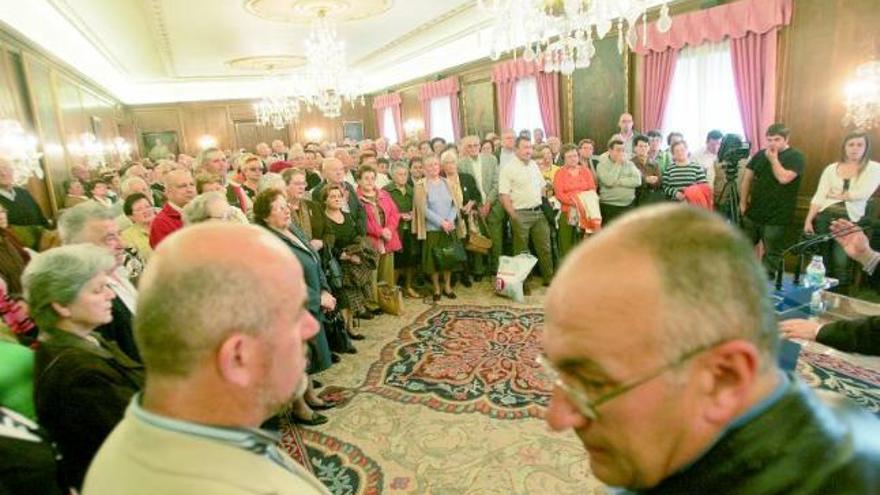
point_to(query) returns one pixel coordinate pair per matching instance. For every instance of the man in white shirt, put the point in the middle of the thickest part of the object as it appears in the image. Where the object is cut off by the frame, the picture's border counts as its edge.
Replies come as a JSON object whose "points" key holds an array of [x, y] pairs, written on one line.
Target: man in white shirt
{"points": [[708, 155], [627, 132], [520, 190]]}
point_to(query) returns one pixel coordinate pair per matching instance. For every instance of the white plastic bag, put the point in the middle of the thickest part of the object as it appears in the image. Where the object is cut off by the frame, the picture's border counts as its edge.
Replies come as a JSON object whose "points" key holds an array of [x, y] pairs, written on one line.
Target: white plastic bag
{"points": [[512, 272]]}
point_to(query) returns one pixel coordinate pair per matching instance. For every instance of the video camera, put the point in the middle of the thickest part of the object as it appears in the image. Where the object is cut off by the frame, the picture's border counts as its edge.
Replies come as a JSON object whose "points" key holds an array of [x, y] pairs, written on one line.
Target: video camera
{"points": [[732, 150]]}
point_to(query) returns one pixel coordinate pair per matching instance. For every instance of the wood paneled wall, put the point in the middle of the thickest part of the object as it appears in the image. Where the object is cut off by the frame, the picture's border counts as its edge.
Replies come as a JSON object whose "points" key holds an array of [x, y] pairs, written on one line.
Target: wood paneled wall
{"points": [[819, 51], [57, 105], [192, 121]]}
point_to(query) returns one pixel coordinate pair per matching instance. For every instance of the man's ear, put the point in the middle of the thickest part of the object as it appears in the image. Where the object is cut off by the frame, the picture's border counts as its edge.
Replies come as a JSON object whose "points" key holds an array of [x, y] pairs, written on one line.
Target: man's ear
{"points": [[728, 374], [235, 359]]}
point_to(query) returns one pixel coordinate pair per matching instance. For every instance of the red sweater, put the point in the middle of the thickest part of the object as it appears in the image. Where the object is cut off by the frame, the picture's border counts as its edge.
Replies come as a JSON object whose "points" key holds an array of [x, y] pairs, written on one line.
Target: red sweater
{"points": [[166, 222], [566, 186], [392, 219]]}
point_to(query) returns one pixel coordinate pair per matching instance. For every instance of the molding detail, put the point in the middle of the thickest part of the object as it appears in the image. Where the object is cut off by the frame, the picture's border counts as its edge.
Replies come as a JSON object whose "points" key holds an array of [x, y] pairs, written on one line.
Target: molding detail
{"points": [[76, 21], [160, 31], [305, 11]]}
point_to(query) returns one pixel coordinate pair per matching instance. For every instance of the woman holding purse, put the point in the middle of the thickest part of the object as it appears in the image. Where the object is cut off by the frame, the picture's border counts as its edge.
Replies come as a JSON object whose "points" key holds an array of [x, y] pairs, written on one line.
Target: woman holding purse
{"points": [[382, 220], [437, 222]]}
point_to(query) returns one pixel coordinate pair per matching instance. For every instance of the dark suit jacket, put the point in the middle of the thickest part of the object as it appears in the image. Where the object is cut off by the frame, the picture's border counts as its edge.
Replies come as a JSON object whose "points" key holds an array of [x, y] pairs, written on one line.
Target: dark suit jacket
{"points": [[81, 391], [469, 189], [861, 335], [120, 330], [24, 210], [313, 272]]}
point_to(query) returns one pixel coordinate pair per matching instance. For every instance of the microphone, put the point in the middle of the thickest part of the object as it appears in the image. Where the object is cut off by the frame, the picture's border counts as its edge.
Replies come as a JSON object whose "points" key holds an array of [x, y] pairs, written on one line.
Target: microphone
{"points": [[863, 225]]}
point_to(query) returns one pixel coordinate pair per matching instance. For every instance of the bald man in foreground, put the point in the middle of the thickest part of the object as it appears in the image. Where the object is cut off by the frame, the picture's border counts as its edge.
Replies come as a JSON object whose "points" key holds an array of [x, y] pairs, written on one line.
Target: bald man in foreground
{"points": [[663, 341], [223, 338]]}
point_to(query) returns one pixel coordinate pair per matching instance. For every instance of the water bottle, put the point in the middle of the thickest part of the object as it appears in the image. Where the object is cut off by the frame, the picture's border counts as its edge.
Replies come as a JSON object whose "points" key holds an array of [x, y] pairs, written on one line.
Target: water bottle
{"points": [[817, 306], [815, 273]]}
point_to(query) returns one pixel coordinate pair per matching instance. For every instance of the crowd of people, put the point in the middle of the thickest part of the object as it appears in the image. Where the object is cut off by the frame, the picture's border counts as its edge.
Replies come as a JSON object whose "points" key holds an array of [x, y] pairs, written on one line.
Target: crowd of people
{"points": [[184, 268]]}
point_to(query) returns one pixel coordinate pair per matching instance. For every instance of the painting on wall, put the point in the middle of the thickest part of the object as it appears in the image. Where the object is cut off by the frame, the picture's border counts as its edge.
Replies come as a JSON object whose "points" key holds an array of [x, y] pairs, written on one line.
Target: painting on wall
{"points": [[599, 94], [160, 145], [353, 129], [479, 108]]}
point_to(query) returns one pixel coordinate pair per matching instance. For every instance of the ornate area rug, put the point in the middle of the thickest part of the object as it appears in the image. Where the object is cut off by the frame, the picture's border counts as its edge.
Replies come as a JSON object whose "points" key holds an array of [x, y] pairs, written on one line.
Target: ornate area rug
{"points": [[464, 359], [448, 399]]}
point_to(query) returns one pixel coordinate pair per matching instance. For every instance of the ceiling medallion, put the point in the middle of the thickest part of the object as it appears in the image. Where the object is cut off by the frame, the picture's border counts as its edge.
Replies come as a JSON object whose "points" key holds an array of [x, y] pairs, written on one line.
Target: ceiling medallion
{"points": [[267, 63], [304, 11]]}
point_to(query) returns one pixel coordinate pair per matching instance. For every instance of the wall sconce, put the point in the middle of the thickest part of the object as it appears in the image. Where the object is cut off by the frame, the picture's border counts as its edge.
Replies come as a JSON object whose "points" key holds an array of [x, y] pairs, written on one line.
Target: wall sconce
{"points": [[20, 149], [412, 127], [313, 134], [207, 141], [88, 148], [122, 148], [863, 96]]}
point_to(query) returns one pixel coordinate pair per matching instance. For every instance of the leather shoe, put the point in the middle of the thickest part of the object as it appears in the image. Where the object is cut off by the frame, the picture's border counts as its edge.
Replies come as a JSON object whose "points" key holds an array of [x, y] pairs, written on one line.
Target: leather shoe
{"points": [[365, 316], [351, 351], [377, 311], [467, 282], [450, 294], [316, 383], [334, 357], [322, 407], [356, 336], [315, 420], [436, 297]]}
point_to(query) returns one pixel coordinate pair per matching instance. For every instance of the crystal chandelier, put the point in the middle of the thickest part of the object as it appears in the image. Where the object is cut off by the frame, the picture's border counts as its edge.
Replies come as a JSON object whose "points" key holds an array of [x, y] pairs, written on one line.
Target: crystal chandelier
{"points": [[327, 82], [20, 149], [88, 148], [277, 108], [863, 97], [560, 33]]}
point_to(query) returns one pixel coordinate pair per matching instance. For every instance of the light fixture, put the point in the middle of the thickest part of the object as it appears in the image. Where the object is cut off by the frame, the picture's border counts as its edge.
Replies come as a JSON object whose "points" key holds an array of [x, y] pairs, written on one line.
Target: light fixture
{"points": [[89, 149], [122, 148], [207, 141], [412, 127], [278, 108], [20, 149], [327, 82], [560, 33], [863, 97], [313, 134]]}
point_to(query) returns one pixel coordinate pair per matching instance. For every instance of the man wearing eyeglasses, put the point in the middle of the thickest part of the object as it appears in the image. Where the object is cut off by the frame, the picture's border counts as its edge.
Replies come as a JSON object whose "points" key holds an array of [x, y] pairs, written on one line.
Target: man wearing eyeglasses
{"points": [[662, 339]]}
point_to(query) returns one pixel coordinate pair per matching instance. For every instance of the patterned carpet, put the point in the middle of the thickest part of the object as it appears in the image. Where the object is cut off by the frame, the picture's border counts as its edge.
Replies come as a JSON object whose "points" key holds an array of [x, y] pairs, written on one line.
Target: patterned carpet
{"points": [[447, 399]]}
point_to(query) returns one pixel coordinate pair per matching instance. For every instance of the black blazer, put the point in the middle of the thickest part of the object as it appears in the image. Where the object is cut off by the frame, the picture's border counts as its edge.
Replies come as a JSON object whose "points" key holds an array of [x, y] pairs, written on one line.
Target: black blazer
{"points": [[120, 331], [469, 189], [861, 335], [81, 392]]}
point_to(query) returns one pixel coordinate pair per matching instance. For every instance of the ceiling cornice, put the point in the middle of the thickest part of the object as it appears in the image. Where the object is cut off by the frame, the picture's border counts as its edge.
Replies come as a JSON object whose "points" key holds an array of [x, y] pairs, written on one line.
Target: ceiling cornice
{"points": [[76, 21], [160, 32]]}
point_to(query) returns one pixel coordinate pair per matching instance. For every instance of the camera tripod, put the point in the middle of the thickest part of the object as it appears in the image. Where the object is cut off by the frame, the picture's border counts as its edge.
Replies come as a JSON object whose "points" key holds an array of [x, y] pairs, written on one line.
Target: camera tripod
{"points": [[729, 198]]}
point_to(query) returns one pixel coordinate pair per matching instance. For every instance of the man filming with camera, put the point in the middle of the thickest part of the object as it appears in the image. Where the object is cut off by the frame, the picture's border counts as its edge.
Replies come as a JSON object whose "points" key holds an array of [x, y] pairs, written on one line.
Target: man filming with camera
{"points": [[768, 194]]}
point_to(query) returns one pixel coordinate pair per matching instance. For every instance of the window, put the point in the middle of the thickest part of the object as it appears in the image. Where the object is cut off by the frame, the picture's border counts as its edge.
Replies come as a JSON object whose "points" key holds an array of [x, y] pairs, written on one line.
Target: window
{"points": [[526, 109], [702, 96], [441, 118], [389, 127]]}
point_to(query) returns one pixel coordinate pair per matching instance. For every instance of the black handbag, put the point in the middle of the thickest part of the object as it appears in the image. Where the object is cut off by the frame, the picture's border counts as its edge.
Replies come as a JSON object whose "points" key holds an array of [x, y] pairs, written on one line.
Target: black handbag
{"points": [[333, 271], [337, 335], [449, 256]]}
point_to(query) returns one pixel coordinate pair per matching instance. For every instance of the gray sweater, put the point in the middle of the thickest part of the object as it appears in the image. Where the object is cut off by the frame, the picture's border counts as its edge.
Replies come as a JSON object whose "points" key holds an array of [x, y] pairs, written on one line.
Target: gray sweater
{"points": [[617, 183]]}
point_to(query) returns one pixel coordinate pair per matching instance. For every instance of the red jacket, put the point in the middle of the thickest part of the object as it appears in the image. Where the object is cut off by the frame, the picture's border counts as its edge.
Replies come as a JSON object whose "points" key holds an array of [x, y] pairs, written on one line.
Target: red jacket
{"points": [[565, 186], [374, 228], [699, 195], [166, 222]]}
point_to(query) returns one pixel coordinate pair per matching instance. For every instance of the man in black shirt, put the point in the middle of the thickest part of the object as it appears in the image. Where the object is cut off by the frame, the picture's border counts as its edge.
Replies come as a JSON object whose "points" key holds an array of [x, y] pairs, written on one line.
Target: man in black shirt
{"points": [[769, 193], [20, 205]]}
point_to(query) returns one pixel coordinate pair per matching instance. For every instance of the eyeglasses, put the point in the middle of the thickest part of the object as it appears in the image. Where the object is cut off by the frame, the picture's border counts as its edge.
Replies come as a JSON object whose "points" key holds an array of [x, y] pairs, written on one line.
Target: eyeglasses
{"points": [[587, 406]]}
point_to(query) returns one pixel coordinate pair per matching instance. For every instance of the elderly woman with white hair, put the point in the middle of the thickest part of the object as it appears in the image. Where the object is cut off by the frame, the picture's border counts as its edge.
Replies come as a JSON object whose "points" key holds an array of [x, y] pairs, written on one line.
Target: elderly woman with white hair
{"points": [[82, 383], [211, 205]]}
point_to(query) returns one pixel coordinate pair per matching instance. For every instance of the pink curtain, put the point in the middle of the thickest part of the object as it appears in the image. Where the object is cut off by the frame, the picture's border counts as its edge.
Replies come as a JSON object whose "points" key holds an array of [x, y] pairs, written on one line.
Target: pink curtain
{"points": [[659, 68], [548, 98], [732, 20], [754, 69], [380, 103], [444, 87], [505, 75]]}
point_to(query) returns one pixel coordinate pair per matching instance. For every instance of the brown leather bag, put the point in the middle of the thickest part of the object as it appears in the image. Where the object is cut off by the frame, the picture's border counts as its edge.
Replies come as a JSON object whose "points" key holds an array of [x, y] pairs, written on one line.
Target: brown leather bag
{"points": [[476, 241], [390, 298]]}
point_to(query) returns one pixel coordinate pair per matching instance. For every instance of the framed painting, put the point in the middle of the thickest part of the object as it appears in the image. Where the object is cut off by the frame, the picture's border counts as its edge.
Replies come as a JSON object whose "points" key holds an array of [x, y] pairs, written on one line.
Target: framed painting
{"points": [[160, 145], [599, 94], [353, 129], [479, 108]]}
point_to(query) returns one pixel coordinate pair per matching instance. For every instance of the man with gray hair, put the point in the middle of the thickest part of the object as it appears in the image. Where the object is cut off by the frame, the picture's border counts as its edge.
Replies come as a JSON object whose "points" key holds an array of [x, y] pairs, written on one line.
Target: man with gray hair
{"points": [[224, 343], [669, 376], [93, 223], [483, 167], [213, 160]]}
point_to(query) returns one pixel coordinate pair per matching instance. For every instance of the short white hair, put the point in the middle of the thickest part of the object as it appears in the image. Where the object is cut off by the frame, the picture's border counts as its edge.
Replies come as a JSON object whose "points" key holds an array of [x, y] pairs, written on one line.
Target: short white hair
{"points": [[72, 222]]}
